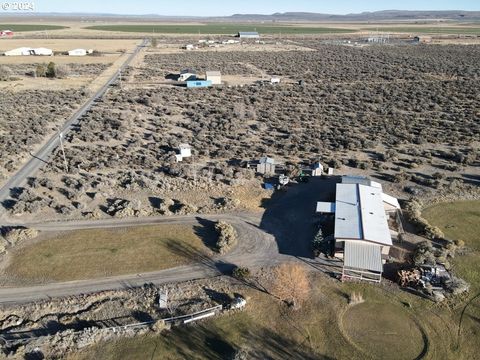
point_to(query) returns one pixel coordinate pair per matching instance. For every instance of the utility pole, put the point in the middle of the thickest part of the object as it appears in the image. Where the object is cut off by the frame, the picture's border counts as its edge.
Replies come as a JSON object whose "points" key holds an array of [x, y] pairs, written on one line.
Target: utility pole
{"points": [[120, 79], [60, 136]]}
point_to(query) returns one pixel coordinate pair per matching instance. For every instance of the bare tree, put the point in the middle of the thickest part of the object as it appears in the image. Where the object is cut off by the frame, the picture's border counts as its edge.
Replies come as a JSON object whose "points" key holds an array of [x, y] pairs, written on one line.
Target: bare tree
{"points": [[291, 284]]}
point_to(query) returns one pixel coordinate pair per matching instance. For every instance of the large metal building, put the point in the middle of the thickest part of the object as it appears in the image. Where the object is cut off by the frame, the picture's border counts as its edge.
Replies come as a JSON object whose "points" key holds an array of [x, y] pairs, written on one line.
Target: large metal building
{"points": [[362, 234], [248, 35]]}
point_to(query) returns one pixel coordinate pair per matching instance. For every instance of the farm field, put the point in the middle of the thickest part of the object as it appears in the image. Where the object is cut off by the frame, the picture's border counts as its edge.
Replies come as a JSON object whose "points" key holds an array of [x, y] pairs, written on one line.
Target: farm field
{"points": [[86, 254], [220, 29], [31, 27]]}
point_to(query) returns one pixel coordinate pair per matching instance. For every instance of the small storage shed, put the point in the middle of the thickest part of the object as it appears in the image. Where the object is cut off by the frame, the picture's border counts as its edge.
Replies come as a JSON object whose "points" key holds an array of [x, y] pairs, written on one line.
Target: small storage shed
{"points": [[214, 76], [185, 150], [317, 169], [266, 166]]}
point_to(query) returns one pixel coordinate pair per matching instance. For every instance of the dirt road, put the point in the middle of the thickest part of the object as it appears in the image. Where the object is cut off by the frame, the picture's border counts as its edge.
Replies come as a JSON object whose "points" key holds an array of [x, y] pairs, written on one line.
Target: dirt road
{"points": [[255, 248]]}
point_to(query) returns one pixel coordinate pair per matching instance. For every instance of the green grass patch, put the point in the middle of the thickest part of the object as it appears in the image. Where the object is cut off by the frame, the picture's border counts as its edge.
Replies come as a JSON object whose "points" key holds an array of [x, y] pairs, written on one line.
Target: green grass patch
{"points": [[457, 220], [221, 29], [429, 30], [269, 330], [94, 253], [30, 27], [461, 220]]}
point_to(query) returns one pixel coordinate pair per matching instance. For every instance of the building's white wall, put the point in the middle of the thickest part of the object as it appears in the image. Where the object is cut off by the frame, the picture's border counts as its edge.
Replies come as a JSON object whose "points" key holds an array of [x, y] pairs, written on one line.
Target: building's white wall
{"points": [[216, 79]]}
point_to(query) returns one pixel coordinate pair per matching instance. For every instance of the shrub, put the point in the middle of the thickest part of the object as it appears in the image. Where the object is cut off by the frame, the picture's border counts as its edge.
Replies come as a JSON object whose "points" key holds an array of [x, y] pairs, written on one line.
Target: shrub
{"points": [[41, 70], [51, 70], [5, 73], [241, 273], [227, 236], [460, 243]]}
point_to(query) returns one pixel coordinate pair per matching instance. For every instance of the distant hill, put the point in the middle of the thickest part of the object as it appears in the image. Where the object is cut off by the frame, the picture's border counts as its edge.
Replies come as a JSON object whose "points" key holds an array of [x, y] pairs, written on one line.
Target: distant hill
{"points": [[365, 16]]}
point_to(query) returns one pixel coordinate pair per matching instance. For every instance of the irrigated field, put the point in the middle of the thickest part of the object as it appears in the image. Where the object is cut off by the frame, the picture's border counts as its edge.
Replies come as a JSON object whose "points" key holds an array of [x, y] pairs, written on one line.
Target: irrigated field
{"points": [[30, 27], [92, 253], [219, 29]]}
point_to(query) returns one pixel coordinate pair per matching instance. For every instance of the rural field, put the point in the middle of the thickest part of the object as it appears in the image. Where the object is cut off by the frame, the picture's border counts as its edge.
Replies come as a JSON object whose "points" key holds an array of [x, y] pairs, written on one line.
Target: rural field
{"points": [[87, 254], [222, 29], [389, 323]]}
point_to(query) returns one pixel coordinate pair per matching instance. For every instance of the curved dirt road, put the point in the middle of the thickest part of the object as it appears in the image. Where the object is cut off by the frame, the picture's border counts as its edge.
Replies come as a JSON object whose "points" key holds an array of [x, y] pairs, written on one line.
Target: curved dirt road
{"points": [[255, 248]]}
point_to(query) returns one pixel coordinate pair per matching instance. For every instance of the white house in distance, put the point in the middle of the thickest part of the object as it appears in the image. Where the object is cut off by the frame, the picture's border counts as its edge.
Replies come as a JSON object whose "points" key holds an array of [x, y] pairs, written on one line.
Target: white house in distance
{"points": [[26, 51], [214, 76], [362, 235]]}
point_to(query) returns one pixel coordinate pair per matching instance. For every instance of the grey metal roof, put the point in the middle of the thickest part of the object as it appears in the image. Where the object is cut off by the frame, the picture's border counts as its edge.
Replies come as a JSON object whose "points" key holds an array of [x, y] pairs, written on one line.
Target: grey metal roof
{"points": [[213, 73], [351, 179], [325, 207], [363, 256], [347, 213], [248, 33], [267, 160], [360, 214]]}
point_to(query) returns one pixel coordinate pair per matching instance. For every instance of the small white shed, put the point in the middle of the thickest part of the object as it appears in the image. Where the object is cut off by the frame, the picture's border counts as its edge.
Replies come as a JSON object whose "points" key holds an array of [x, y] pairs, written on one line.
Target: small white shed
{"points": [[185, 150], [214, 76]]}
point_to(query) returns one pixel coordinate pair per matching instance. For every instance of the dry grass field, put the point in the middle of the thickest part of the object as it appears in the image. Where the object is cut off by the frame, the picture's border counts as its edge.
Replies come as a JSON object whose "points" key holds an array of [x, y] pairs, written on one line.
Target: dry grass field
{"points": [[86, 254], [390, 324]]}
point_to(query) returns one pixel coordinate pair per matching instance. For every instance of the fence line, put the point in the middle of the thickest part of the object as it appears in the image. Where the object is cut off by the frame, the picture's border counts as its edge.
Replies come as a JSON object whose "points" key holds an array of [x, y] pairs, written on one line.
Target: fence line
{"points": [[186, 319]]}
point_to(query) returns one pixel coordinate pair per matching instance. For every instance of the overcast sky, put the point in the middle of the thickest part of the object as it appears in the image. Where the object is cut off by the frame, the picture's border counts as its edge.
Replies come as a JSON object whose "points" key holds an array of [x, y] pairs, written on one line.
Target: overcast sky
{"points": [[229, 7]]}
